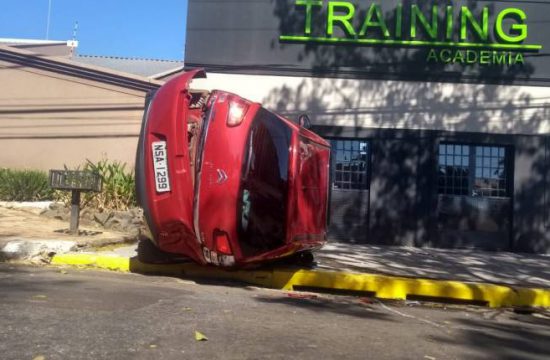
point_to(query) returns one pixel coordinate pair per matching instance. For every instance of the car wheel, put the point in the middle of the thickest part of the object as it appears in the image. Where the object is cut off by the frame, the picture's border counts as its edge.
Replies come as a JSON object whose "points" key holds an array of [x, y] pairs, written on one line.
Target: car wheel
{"points": [[301, 259], [149, 253], [306, 258]]}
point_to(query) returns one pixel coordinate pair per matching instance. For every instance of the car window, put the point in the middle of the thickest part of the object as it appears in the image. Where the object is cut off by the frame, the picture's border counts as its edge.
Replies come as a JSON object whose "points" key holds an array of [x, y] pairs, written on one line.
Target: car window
{"points": [[264, 188]]}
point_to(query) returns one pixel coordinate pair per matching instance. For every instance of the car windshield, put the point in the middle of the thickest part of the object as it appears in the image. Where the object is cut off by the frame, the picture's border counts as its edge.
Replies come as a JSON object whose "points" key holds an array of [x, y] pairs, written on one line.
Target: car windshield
{"points": [[264, 187]]}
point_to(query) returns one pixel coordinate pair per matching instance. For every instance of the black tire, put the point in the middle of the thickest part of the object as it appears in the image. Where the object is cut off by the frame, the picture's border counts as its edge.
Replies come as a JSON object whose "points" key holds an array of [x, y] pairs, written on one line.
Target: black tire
{"points": [[301, 259], [306, 257], [149, 253]]}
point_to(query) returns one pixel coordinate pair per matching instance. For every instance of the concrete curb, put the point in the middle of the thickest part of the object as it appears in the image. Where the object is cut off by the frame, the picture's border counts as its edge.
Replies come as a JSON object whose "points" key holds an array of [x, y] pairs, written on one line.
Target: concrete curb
{"points": [[33, 205], [21, 249], [380, 286]]}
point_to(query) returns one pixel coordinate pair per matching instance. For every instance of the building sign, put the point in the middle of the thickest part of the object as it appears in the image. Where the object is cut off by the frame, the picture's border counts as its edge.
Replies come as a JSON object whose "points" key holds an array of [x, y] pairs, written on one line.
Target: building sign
{"points": [[502, 41], [452, 34]]}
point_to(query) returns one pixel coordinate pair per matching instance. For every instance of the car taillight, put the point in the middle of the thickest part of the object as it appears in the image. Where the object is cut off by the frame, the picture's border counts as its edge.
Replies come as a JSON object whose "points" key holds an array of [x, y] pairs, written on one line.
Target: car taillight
{"points": [[237, 111], [221, 241]]}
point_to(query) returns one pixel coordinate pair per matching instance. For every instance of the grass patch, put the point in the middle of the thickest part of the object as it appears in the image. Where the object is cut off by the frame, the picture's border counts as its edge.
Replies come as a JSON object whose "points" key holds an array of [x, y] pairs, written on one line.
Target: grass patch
{"points": [[24, 185], [118, 192]]}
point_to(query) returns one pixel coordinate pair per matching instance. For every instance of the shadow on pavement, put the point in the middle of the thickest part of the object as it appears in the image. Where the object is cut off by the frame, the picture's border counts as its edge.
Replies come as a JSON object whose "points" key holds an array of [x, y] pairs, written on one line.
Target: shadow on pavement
{"points": [[463, 265], [502, 340], [340, 306]]}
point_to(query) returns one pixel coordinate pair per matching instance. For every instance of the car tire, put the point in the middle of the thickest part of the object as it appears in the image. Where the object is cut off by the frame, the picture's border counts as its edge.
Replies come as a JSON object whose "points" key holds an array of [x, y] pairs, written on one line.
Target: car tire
{"points": [[149, 253], [306, 258], [302, 259]]}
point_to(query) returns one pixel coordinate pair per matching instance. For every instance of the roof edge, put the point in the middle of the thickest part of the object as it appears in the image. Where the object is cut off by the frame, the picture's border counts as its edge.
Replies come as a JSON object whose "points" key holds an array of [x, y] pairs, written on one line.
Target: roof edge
{"points": [[33, 41], [129, 58], [68, 67], [167, 72]]}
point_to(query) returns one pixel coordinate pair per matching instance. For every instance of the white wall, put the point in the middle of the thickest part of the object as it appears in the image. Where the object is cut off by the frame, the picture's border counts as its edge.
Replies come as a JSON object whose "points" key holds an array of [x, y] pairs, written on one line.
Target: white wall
{"points": [[396, 104]]}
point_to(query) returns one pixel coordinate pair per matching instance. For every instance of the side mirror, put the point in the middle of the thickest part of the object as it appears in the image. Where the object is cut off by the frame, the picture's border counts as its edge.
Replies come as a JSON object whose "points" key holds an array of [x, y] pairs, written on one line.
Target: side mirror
{"points": [[304, 121]]}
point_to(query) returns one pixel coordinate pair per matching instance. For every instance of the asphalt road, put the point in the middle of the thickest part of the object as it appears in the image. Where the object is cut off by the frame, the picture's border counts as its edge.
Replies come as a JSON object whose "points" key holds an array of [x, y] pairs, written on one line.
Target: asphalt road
{"points": [[51, 313]]}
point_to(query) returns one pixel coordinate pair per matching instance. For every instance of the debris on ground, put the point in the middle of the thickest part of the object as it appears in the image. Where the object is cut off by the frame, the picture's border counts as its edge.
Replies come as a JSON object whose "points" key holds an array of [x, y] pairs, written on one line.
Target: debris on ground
{"points": [[301, 296], [200, 336], [366, 300]]}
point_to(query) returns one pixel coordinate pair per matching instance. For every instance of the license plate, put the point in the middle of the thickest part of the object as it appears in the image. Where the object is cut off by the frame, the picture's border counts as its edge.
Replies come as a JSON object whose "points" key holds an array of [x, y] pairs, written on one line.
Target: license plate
{"points": [[160, 164]]}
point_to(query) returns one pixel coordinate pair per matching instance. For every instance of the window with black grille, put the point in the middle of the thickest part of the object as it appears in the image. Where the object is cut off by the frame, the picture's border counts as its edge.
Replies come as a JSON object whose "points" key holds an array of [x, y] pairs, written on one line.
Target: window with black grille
{"points": [[454, 169], [350, 160], [490, 171], [473, 170]]}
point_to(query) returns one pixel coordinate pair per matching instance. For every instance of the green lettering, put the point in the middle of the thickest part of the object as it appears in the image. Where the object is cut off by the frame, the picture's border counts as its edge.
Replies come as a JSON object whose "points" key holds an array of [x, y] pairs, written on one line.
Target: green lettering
{"points": [[459, 57], [399, 20], [445, 56], [519, 59], [499, 58], [432, 56], [471, 56], [344, 20], [520, 28], [309, 4], [484, 57], [375, 11], [450, 13], [417, 15], [482, 31]]}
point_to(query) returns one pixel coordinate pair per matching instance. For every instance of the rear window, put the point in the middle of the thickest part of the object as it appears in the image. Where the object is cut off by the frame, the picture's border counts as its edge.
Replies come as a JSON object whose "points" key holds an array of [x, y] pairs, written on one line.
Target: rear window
{"points": [[264, 187]]}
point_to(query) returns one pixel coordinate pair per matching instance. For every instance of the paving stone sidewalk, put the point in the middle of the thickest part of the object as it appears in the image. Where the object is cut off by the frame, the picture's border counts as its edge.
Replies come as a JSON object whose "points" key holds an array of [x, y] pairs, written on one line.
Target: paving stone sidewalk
{"points": [[445, 264]]}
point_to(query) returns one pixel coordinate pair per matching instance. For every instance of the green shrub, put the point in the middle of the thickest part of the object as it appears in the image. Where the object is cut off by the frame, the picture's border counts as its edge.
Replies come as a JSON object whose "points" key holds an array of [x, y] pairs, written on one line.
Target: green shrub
{"points": [[24, 185], [118, 192]]}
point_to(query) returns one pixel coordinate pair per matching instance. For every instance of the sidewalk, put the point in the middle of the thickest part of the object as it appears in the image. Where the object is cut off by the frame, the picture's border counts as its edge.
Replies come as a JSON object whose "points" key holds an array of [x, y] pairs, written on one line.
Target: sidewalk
{"points": [[526, 270], [497, 279], [24, 234], [444, 264]]}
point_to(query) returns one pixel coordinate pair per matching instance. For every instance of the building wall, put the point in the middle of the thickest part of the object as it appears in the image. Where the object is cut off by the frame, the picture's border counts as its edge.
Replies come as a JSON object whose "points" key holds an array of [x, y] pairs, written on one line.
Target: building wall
{"points": [[60, 49], [502, 109], [48, 120], [284, 37], [384, 89], [404, 203]]}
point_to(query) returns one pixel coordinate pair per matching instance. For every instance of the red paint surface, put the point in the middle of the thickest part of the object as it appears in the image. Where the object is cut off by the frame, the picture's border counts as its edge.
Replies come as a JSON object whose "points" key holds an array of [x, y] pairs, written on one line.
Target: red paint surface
{"points": [[218, 186]]}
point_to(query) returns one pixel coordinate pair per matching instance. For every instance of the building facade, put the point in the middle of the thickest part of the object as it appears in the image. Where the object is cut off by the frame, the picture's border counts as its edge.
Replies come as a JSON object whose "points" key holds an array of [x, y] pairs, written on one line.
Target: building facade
{"points": [[55, 112], [438, 112]]}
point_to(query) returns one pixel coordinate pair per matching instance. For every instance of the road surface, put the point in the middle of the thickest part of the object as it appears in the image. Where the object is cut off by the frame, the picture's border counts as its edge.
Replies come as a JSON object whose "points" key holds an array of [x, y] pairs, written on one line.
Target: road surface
{"points": [[51, 313]]}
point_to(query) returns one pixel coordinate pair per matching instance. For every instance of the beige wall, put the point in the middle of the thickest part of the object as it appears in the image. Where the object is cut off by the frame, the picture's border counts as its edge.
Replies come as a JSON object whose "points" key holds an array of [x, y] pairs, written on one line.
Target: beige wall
{"points": [[58, 49], [48, 120], [397, 104]]}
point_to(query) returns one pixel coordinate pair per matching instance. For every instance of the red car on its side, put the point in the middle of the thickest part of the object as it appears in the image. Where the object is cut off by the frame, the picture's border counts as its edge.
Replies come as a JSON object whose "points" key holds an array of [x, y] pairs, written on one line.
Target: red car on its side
{"points": [[226, 182]]}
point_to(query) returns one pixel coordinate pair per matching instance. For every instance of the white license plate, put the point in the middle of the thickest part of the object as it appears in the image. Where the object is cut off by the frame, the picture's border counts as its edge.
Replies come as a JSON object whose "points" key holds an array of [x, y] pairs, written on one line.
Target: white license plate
{"points": [[160, 164]]}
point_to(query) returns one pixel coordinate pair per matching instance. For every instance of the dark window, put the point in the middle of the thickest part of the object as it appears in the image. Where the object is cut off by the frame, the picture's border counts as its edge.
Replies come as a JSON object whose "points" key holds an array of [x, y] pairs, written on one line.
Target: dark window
{"points": [[454, 169], [473, 170], [490, 171], [350, 164], [262, 218]]}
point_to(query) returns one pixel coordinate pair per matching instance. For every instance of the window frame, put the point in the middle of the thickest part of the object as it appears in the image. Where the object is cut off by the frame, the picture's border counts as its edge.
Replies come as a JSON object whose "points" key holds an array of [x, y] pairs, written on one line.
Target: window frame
{"points": [[504, 151], [363, 185]]}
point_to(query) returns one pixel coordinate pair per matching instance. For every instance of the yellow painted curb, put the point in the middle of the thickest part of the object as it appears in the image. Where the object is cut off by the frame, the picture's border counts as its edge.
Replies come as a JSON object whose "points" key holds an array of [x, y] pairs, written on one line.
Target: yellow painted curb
{"points": [[381, 286], [109, 262]]}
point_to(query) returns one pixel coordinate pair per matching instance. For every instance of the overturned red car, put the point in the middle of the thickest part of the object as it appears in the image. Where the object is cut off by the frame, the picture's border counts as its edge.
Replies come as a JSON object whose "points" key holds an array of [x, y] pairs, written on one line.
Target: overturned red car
{"points": [[223, 181]]}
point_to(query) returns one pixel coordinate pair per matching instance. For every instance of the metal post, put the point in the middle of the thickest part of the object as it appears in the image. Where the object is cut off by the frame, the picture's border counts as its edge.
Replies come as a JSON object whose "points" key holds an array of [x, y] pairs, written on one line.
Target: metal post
{"points": [[75, 211], [48, 22], [76, 181]]}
